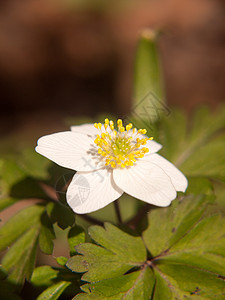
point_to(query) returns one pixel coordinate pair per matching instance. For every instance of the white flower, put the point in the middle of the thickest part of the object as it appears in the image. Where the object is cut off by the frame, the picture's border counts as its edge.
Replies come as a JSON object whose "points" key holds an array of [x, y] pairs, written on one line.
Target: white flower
{"points": [[110, 162]]}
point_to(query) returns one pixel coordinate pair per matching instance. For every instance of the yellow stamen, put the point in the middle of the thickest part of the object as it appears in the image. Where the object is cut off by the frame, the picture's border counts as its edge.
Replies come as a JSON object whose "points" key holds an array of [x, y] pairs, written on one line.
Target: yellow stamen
{"points": [[116, 147]]}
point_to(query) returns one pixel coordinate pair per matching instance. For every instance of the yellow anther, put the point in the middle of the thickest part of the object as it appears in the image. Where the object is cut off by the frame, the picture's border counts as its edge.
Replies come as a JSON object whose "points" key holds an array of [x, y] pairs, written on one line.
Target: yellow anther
{"points": [[128, 127], [145, 150], [117, 148], [144, 141], [97, 140], [142, 131], [119, 122], [113, 164]]}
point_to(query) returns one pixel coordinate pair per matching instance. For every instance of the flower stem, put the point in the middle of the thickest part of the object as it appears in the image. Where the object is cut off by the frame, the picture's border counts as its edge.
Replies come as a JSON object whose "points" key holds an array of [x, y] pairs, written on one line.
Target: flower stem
{"points": [[117, 210]]}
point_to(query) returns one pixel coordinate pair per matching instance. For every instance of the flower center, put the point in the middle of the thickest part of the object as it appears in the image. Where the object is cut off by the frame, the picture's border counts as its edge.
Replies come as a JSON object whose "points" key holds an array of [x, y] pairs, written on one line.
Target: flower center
{"points": [[121, 147]]}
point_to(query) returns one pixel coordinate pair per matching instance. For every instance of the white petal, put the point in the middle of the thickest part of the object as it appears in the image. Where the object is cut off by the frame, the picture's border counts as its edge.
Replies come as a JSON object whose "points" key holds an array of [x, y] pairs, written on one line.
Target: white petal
{"points": [[70, 150], [178, 179], [147, 182], [91, 191], [88, 129], [153, 147]]}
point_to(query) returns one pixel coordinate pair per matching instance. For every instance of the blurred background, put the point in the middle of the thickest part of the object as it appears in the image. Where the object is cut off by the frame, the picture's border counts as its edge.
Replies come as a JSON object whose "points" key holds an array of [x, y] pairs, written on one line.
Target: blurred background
{"points": [[70, 58]]}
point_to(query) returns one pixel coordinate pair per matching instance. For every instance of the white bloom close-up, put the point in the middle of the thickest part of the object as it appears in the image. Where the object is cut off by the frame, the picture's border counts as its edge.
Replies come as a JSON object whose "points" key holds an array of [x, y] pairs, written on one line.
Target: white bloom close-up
{"points": [[110, 162]]}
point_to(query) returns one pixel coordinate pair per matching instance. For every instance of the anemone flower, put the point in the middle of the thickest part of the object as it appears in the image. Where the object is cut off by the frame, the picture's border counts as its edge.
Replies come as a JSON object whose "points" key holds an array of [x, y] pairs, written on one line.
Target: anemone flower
{"points": [[110, 162]]}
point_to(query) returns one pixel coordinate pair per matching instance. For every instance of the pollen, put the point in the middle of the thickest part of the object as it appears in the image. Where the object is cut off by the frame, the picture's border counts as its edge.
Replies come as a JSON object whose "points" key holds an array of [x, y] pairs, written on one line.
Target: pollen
{"points": [[121, 147]]}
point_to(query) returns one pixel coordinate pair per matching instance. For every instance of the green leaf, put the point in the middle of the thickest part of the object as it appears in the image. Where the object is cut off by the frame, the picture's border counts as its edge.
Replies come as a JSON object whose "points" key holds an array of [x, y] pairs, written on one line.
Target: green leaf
{"points": [[16, 184], [20, 258], [54, 292], [162, 289], [10, 173], [7, 291], [188, 251], [18, 224], [34, 164], [76, 236], [174, 223], [148, 83], [47, 234], [196, 145], [188, 282], [62, 260], [200, 185], [136, 285], [121, 253], [44, 276], [200, 162], [22, 233], [6, 288]]}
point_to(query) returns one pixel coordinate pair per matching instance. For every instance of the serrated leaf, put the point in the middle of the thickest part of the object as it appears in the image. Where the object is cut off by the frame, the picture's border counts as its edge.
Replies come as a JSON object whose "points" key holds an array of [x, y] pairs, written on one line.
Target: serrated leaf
{"points": [[121, 253], [47, 234], [200, 162], [136, 285], [188, 282], [188, 261], [175, 222], [76, 236], [54, 292], [196, 145], [119, 242]]}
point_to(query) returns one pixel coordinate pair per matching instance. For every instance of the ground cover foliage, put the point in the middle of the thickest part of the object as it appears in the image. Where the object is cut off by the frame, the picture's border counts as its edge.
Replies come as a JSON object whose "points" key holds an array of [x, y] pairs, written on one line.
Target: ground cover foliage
{"points": [[175, 252]]}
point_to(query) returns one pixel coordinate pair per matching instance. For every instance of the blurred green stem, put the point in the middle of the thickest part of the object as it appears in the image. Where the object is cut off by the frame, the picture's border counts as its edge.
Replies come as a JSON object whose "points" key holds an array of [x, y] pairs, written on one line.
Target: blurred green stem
{"points": [[117, 210]]}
